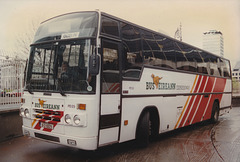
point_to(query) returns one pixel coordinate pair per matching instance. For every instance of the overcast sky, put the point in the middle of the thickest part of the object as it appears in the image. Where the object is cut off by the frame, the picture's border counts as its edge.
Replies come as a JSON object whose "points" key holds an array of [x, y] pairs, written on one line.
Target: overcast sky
{"points": [[196, 17]]}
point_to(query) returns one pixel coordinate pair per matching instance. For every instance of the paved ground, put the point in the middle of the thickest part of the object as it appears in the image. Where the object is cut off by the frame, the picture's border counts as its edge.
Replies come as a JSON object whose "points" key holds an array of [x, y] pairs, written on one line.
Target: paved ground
{"points": [[201, 142]]}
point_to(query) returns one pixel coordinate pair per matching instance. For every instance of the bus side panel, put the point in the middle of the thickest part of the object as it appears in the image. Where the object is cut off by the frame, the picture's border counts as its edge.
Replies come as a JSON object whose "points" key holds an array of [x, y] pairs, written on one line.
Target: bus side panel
{"points": [[131, 110], [170, 111], [157, 88], [227, 96], [199, 105], [181, 99], [217, 93]]}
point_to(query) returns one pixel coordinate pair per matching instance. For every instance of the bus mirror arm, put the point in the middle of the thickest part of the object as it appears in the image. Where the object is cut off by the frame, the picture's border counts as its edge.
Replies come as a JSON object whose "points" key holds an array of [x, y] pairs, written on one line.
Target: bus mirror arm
{"points": [[94, 65]]}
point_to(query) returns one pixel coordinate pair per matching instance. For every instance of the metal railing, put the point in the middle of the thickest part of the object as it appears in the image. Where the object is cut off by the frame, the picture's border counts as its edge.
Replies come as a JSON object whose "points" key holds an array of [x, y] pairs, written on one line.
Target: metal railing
{"points": [[11, 83]]}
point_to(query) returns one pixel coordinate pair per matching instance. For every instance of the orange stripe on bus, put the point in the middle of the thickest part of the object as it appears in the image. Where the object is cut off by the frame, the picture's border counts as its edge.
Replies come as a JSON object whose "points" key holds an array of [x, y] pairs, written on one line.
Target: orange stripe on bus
{"points": [[34, 121], [194, 83]]}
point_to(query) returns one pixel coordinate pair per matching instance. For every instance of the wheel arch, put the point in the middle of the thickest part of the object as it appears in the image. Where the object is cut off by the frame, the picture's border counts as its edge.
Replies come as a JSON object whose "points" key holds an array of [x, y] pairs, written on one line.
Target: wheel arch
{"points": [[154, 118], [215, 111], [217, 101]]}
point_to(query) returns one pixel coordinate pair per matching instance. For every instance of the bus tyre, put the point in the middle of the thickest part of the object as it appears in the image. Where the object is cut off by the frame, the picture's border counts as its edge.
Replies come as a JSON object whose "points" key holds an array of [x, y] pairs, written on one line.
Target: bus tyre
{"points": [[215, 112], [143, 129]]}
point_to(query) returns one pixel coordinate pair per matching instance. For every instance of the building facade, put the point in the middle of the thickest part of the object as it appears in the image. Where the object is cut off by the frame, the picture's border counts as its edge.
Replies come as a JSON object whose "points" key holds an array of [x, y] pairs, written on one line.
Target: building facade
{"points": [[213, 42], [236, 72]]}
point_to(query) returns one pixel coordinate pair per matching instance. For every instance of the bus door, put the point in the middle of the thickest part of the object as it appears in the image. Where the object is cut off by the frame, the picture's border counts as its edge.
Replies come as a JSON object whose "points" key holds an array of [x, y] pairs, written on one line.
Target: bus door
{"points": [[110, 94]]}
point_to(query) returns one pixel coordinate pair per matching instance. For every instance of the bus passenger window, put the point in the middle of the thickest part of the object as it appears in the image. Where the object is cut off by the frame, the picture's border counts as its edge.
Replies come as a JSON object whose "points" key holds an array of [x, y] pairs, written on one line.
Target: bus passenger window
{"points": [[202, 62], [213, 60], [194, 61], [132, 51], [182, 62], [226, 68], [149, 45], [169, 52], [220, 66], [133, 65], [110, 27], [110, 75]]}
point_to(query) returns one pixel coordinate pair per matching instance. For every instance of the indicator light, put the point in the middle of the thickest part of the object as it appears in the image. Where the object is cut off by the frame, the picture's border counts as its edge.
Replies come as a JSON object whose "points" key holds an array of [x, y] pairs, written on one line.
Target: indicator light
{"points": [[23, 100], [125, 122], [81, 106]]}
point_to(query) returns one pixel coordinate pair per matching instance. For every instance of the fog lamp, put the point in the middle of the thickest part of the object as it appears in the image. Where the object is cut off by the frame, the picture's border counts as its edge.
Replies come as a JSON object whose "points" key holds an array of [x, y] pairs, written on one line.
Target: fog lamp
{"points": [[26, 133], [26, 113], [71, 142], [68, 119], [76, 119], [22, 112]]}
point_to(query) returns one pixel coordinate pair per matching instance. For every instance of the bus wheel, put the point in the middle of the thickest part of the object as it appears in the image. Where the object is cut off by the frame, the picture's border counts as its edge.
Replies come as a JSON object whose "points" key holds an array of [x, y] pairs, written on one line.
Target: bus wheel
{"points": [[215, 112], [143, 129]]}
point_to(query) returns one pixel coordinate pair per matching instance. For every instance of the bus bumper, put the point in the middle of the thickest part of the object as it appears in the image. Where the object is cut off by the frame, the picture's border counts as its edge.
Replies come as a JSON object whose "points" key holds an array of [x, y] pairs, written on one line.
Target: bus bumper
{"points": [[77, 142]]}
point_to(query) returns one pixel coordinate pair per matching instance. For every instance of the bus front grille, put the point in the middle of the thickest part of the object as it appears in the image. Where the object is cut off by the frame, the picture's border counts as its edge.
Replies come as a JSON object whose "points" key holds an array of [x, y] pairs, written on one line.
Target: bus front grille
{"points": [[47, 115], [47, 137]]}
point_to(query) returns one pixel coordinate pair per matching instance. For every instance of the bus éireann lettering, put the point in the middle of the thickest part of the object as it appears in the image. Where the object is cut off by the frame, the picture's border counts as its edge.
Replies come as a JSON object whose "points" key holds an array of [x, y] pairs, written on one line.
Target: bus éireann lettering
{"points": [[161, 86]]}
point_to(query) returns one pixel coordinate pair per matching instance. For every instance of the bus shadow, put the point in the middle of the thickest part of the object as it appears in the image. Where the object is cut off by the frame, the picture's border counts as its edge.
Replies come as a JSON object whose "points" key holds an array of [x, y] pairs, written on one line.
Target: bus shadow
{"points": [[123, 151]]}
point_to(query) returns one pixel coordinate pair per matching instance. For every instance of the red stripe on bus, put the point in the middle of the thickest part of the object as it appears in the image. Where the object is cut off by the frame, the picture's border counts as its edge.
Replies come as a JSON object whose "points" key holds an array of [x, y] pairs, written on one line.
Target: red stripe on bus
{"points": [[190, 103], [37, 126], [186, 103], [204, 101], [54, 123], [196, 102], [114, 88], [219, 88]]}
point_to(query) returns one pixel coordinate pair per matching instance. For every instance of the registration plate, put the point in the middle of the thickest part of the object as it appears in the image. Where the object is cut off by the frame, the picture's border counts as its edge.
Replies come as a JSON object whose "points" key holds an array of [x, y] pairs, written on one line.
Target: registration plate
{"points": [[46, 125]]}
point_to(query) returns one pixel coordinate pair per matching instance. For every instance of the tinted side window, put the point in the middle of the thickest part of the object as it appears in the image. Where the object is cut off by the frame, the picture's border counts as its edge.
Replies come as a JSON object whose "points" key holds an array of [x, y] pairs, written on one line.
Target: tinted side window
{"points": [[185, 57], [220, 66], [148, 45], [110, 27], [132, 51], [167, 48], [202, 65], [213, 64], [110, 76], [153, 50], [158, 50], [190, 59], [226, 69], [160, 55]]}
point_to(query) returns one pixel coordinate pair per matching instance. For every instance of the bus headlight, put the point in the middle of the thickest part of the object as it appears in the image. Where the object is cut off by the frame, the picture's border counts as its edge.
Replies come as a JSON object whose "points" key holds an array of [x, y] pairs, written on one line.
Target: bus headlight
{"points": [[68, 119], [76, 119], [26, 113], [22, 112]]}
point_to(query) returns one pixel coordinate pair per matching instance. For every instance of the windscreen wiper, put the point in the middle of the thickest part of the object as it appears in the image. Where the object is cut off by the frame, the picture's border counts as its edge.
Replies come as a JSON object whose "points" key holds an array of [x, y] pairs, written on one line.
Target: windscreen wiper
{"points": [[60, 87], [28, 86]]}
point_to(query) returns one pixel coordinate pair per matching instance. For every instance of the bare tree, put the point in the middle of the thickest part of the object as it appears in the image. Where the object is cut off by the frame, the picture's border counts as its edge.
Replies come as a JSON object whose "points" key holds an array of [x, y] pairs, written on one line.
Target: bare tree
{"points": [[25, 39]]}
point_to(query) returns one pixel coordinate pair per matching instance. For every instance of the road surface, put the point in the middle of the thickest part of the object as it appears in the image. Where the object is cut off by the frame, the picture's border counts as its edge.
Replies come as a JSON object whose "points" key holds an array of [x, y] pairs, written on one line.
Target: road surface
{"points": [[201, 142]]}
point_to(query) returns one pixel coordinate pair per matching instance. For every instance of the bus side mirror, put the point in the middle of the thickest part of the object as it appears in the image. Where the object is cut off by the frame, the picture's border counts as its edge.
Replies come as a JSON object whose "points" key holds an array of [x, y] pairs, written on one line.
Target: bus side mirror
{"points": [[94, 65]]}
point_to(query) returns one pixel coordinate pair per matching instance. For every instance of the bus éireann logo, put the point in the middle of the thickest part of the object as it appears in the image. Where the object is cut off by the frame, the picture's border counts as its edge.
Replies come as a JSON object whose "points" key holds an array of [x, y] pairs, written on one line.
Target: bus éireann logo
{"points": [[156, 84], [41, 102], [156, 80]]}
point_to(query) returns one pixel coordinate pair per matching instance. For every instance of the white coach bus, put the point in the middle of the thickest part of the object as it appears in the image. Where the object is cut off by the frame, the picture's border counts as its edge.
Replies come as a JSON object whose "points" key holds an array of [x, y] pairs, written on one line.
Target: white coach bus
{"points": [[94, 79]]}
